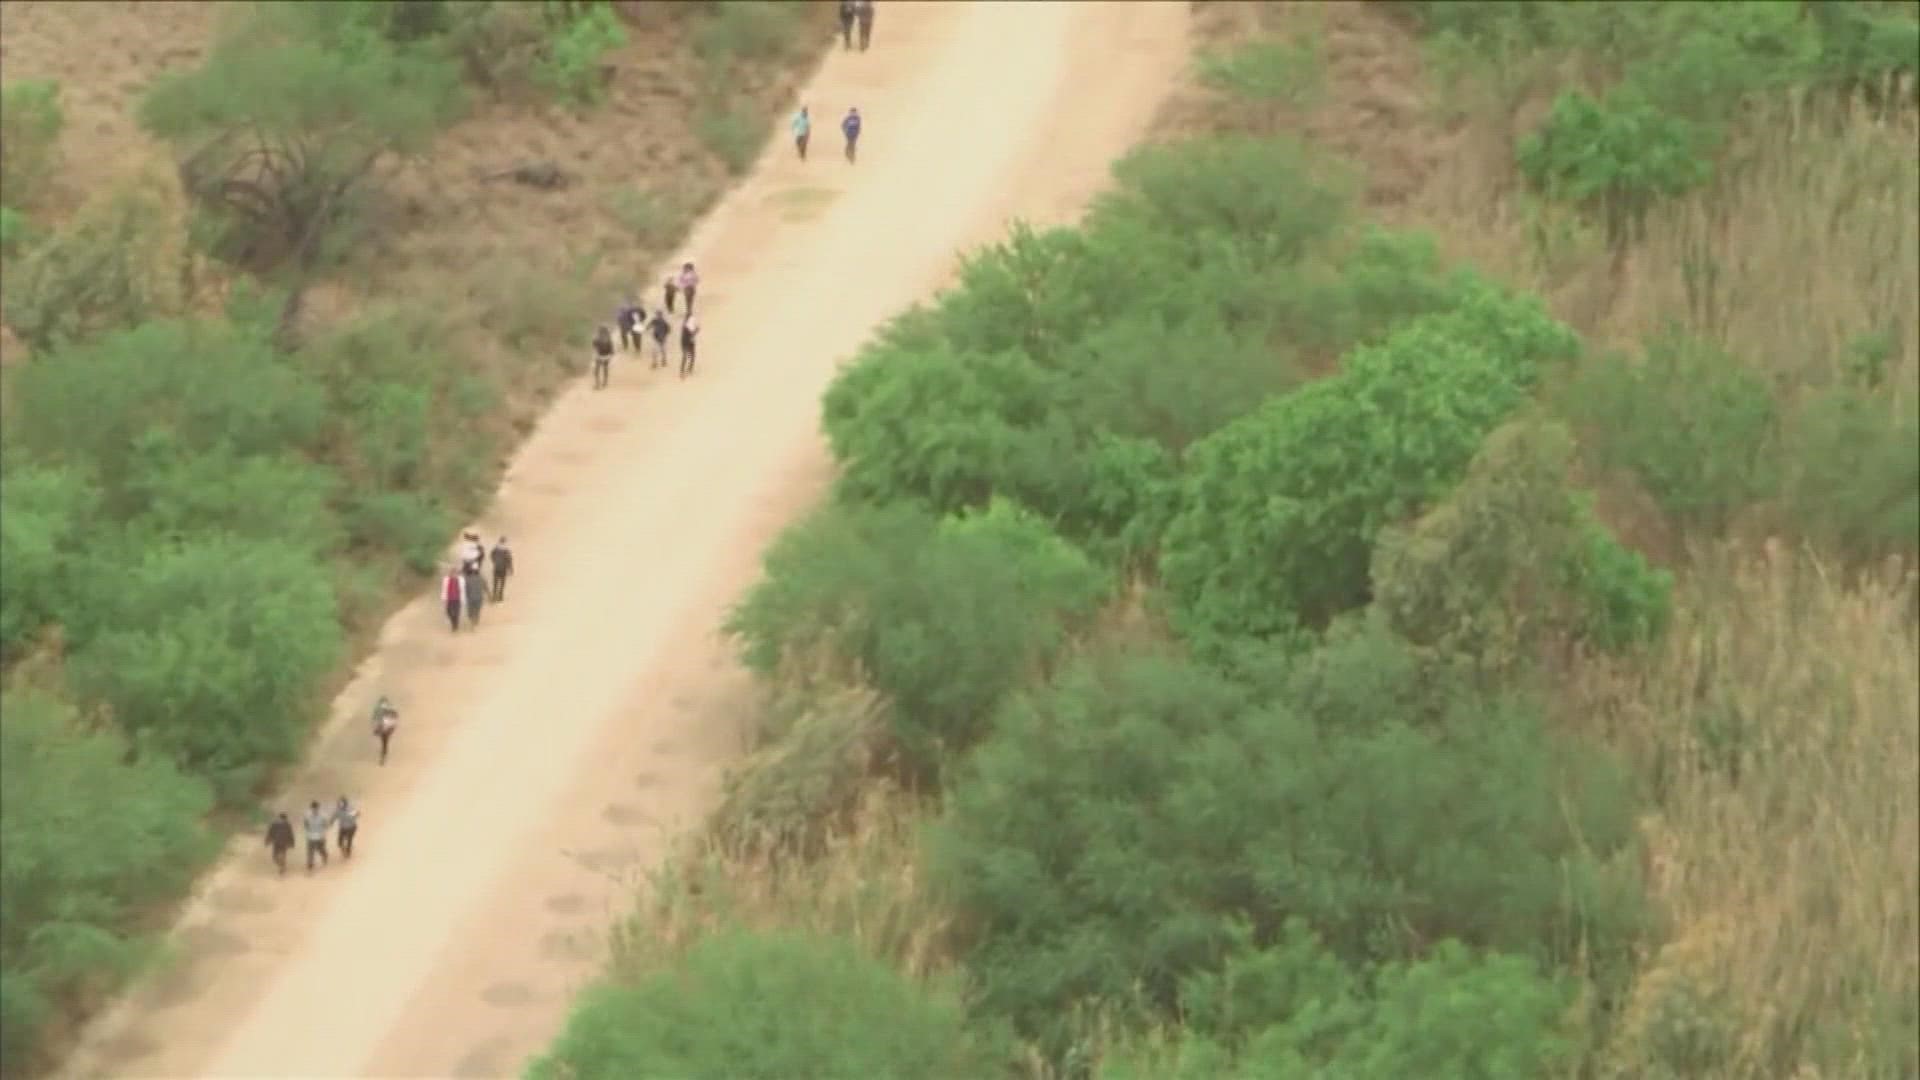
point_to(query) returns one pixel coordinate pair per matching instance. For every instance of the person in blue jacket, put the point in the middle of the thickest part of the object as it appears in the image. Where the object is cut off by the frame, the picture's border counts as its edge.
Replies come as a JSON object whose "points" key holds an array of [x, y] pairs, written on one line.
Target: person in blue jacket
{"points": [[850, 127]]}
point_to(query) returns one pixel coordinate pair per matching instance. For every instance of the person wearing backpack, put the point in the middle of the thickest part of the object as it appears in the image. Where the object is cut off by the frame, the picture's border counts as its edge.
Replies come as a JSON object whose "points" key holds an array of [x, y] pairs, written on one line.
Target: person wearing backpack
{"points": [[385, 719], [628, 319]]}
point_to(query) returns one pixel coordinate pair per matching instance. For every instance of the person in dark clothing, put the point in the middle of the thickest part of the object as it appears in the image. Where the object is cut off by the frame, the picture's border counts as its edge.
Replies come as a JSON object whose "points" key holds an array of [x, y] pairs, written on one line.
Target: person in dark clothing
{"points": [[451, 588], [347, 816], [316, 824], [385, 719], [602, 357], [628, 319], [670, 289], [850, 127], [661, 329], [846, 23], [476, 593], [863, 11], [689, 331], [502, 569], [280, 841]]}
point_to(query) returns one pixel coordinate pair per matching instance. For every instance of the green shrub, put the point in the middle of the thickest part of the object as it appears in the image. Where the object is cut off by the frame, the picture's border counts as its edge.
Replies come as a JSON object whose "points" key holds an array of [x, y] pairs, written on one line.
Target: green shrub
{"points": [[1279, 509], [209, 650], [198, 385], [30, 123], [751, 32], [1615, 157], [1133, 824], [731, 133], [1852, 472], [116, 265], [770, 1006], [415, 525], [92, 835], [14, 232], [1268, 74], [941, 617], [654, 217], [1695, 427], [1454, 1014], [572, 65], [45, 517]]}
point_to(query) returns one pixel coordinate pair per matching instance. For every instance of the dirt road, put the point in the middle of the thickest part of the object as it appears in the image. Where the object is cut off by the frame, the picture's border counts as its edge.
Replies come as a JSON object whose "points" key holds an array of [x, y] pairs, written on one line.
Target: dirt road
{"points": [[543, 759]]}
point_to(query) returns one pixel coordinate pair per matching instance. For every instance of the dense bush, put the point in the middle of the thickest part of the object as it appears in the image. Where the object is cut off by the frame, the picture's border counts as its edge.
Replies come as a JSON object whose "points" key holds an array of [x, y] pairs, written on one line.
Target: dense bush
{"points": [[1071, 369], [943, 617], [1615, 157], [92, 833], [1279, 509], [30, 123], [1453, 1013], [1139, 820], [751, 1006], [45, 516]]}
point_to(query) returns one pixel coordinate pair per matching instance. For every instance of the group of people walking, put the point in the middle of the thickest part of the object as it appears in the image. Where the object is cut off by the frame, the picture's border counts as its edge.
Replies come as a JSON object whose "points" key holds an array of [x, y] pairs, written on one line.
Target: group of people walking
{"points": [[463, 589], [634, 323], [317, 823], [852, 12], [803, 131]]}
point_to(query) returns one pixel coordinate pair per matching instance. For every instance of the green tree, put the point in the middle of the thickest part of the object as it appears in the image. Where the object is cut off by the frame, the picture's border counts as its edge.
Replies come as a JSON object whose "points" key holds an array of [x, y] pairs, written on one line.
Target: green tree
{"points": [[46, 515], [92, 833], [290, 115], [1141, 820], [201, 385], [1279, 509], [943, 617], [210, 650], [742, 1005]]}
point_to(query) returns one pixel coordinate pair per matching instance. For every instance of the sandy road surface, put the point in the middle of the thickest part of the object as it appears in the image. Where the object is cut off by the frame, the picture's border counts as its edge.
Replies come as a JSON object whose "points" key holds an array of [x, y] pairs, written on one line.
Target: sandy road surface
{"points": [[543, 759]]}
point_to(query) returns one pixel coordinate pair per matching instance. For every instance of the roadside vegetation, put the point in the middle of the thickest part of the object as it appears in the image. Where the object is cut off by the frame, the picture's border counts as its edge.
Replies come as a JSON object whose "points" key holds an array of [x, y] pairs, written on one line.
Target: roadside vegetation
{"points": [[213, 487], [1313, 619]]}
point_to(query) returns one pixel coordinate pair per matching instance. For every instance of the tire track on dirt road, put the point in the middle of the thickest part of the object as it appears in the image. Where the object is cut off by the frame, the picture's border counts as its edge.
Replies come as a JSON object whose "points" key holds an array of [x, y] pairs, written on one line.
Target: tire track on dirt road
{"points": [[588, 719]]}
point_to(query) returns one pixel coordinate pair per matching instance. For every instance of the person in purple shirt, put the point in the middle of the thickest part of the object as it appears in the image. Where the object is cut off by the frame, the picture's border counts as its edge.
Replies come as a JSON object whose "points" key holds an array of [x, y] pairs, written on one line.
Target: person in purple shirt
{"points": [[850, 127], [689, 284]]}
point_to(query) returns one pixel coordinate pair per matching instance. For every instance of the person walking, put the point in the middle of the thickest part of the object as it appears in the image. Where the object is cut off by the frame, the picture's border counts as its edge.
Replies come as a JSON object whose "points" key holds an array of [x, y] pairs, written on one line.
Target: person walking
{"points": [[628, 319], [863, 11], [846, 23], [502, 569], [850, 127], [689, 283], [802, 130], [670, 289], [451, 588], [661, 330], [347, 816], [475, 590], [317, 822], [689, 331], [602, 357], [385, 719], [280, 840], [472, 551]]}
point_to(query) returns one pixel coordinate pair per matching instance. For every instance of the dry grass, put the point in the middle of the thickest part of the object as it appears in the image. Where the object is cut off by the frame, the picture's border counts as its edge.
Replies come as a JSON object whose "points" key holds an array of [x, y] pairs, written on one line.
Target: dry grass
{"points": [[1779, 729], [866, 886]]}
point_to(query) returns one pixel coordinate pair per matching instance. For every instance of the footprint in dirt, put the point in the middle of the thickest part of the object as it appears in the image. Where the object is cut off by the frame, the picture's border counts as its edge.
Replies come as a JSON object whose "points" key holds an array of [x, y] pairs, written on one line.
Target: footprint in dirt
{"points": [[624, 815], [567, 904], [569, 946]]}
